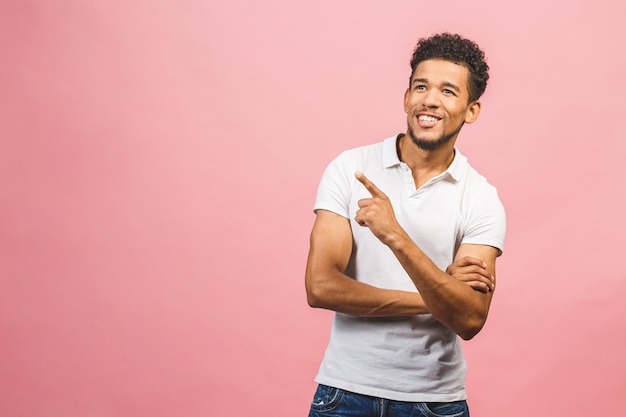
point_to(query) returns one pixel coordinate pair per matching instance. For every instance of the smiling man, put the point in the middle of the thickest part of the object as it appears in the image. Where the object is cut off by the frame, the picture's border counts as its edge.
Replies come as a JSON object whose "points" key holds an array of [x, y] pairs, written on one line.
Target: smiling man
{"points": [[404, 250]]}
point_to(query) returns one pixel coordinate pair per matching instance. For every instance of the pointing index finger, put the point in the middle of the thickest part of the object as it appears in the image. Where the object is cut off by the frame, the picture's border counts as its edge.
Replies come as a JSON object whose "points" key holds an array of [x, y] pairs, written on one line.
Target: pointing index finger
{"points": [[369, 185]]}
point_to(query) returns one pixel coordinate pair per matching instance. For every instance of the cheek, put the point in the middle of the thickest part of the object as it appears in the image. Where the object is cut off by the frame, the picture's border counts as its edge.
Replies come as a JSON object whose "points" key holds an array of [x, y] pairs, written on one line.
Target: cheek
{"points": [[409, 103], [468, 116], [461, 112]]}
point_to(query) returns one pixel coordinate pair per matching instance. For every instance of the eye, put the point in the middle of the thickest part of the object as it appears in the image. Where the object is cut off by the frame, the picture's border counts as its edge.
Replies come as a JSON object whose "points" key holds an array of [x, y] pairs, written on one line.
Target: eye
{"points": [[447, 91], [420, 87]]}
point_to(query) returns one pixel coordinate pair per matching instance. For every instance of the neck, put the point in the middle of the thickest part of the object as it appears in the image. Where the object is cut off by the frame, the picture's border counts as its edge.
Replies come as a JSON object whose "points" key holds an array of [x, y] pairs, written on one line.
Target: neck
{"points": [[438, 159]]}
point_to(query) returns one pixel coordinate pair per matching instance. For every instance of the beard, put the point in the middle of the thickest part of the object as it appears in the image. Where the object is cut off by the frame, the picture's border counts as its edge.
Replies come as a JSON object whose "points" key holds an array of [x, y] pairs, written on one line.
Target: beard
{"points": [[431, 145]]}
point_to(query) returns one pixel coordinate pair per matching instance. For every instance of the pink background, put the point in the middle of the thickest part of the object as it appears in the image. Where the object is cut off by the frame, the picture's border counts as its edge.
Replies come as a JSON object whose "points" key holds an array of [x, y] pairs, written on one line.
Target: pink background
{"points": [[158, 165]]}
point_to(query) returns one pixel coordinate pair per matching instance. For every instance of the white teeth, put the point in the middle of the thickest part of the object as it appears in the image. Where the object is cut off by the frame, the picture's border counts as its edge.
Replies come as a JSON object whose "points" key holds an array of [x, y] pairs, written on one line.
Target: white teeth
{"points": [[427, 118]]}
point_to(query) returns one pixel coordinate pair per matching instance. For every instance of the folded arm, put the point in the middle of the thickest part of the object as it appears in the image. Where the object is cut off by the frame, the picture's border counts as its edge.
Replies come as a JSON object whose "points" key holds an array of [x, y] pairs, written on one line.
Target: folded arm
{"points": [[328, 287], [456, 304]]}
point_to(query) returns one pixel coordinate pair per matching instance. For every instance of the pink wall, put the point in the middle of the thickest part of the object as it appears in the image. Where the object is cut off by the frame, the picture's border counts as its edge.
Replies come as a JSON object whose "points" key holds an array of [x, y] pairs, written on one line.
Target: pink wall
{"points": [[158, 164]]}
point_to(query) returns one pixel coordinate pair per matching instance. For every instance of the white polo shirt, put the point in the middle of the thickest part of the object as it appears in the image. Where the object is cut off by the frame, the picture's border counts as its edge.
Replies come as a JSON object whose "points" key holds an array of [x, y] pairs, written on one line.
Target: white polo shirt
{"points": [[404, 358]]}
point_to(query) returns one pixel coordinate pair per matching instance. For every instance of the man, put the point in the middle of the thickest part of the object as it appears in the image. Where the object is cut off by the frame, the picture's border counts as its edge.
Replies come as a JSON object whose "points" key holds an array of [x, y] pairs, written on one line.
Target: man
{"points": [[404, 248]]}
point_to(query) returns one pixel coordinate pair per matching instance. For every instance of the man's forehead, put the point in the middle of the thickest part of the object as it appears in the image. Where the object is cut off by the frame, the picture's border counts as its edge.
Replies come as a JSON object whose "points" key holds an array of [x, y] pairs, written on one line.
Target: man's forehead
{"points": [[441, 70]]}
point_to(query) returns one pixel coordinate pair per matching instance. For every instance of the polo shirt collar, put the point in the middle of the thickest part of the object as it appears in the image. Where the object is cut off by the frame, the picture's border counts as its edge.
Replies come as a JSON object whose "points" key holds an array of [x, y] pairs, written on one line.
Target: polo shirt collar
{"points": [[457, 167], [390, 152]]}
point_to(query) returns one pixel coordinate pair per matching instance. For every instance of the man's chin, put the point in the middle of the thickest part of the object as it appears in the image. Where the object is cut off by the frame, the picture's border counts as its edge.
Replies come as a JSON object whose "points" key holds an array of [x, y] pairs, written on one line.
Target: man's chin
{"points": [[428, 144]]}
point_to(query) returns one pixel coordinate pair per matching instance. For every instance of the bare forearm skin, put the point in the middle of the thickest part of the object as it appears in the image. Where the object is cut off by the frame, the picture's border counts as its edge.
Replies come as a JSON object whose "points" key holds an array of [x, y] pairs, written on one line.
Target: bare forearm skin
{"points": [[330, 289], [452, 302]]}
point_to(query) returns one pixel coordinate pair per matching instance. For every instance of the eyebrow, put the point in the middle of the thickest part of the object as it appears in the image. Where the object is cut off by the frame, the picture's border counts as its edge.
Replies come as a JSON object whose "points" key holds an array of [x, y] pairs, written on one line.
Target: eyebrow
{"points": [[445, 84]]}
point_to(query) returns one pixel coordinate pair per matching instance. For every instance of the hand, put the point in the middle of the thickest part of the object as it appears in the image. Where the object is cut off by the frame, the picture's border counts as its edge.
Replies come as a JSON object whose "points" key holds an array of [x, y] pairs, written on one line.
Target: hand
{"points": [[376, 212], [473, 272]]}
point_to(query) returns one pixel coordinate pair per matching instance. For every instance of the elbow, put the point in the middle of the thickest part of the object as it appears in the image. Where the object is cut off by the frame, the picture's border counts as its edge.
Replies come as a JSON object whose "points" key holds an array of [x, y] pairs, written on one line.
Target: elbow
{"points": [[321, 290], [469, 332], [471, 327], [315, 294], [316, 299], [313, 298]]}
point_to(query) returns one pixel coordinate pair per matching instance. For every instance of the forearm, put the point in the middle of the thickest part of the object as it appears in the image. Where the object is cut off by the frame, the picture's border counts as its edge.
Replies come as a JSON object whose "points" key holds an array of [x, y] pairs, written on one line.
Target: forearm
{"points": [[454, 303], [335, 291]]}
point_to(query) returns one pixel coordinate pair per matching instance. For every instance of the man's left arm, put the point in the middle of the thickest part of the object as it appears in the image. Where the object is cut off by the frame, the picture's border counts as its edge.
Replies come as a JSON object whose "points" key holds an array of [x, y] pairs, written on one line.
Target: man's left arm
{"points": [[451, 301]]}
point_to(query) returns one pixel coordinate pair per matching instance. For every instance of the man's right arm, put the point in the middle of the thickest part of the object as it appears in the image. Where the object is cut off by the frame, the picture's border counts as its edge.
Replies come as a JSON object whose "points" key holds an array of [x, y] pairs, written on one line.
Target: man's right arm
{"points": [[328, 287]]}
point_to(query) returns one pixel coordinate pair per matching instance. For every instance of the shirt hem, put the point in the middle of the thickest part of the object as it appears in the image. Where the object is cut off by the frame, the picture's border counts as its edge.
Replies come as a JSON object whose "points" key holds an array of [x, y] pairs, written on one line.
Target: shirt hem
{"points": [[393, 395]]}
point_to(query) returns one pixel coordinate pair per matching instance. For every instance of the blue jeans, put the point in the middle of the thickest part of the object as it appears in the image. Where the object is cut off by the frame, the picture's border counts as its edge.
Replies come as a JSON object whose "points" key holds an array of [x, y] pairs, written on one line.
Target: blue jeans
{"points": [[334, 402]]}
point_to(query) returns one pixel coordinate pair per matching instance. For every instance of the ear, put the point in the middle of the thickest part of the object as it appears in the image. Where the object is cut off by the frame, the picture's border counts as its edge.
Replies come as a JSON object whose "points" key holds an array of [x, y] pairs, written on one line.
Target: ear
{"points": [[406, 99], [472, 112]]}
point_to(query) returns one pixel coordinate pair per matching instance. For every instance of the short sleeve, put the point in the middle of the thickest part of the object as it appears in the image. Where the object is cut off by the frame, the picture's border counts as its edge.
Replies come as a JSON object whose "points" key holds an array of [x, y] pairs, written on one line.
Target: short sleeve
{"points": [[486, 220], [335, 188]]}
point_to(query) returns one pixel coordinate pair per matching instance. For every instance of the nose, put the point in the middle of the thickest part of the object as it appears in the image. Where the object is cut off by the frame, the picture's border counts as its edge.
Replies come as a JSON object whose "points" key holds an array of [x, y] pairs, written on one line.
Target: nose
{"points": [[431, 98]]}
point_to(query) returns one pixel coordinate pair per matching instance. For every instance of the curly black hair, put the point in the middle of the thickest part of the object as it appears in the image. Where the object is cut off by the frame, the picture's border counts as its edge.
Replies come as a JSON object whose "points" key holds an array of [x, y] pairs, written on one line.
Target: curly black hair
{"points": [[454, 48]]}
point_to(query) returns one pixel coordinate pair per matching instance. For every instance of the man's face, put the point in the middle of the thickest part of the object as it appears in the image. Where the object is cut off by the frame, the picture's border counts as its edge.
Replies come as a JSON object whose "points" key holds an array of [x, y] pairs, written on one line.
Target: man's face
{"points": [[436, 103]]}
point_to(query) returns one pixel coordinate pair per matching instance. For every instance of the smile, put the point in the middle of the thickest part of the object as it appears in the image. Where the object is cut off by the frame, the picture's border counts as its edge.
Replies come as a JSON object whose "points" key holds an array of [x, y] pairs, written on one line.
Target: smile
{"points": [[425, 118]]}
